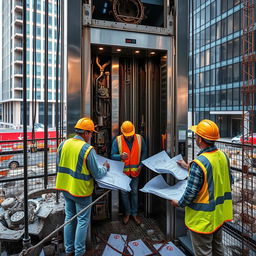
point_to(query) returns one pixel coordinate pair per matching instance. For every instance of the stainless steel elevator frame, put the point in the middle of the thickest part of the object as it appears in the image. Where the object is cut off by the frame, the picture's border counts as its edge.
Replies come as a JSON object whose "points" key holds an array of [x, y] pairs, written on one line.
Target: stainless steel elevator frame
{"points": [[171, 39]]}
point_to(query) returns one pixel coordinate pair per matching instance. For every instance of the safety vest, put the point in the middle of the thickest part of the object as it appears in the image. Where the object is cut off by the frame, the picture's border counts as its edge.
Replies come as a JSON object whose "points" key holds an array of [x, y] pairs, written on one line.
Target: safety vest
{"points": [[132, 163], [213, 205], [73, 175]]}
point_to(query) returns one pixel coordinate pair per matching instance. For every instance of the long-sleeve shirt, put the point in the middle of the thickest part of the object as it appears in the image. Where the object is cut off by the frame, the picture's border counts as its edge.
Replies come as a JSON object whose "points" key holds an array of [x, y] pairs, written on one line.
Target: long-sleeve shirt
{"points": [[195, 181], [115, 152]]}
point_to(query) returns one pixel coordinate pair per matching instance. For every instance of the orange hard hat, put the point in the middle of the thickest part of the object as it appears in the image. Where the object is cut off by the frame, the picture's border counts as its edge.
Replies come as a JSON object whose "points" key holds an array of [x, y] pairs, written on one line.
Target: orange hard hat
{"points": [[86, 124], [206, 129], [127, 128]]}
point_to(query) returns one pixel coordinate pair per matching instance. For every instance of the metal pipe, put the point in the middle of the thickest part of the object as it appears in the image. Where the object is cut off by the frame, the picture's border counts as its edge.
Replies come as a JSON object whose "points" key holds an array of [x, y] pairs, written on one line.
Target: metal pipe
{"points": [[46, 96], [26, 239]]}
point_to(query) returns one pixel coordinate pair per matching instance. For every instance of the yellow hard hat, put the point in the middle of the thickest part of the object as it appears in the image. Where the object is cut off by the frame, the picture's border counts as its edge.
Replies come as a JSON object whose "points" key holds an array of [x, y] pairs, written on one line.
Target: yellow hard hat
{"points": [[206, 129], [86, 124], [127, 128]]}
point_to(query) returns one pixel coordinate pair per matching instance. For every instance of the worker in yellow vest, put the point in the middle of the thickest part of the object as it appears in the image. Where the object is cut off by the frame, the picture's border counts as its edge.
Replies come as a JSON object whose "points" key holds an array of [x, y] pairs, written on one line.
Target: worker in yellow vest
{"points": [[207, 198], [77, 168], [131, 149]]}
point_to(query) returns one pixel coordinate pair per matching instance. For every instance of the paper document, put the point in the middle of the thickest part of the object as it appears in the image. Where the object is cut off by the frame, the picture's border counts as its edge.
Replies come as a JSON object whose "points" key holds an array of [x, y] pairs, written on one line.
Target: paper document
{"points": [[162, 163], [138, 248], [159, 187], [115, 178], [117, 241], [169, 249]]}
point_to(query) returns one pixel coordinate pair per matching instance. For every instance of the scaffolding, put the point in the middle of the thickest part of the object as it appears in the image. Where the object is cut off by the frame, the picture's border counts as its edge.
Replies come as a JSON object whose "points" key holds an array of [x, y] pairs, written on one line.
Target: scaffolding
{"points": [[248, 218]]}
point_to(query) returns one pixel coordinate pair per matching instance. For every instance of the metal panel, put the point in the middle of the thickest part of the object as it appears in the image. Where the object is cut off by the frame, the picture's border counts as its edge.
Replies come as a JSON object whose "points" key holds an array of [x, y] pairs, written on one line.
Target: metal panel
{"points": [[86, 74], [117, 38], [74, 12], [181, 92], [115, 127]]}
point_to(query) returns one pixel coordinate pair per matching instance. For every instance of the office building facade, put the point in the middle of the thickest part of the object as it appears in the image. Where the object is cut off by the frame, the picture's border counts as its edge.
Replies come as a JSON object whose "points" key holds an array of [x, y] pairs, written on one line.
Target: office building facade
{"points": [[215, 63], [11, 97]]}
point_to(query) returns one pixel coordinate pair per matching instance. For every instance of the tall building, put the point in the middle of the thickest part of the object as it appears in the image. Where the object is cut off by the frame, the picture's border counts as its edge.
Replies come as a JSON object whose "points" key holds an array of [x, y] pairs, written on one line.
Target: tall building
{"points": [[216, 63], [11, 88]]}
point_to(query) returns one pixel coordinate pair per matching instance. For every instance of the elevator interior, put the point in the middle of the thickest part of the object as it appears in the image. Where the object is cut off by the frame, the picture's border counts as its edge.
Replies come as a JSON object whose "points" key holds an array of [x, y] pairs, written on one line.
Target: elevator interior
{"points": [[130, 84]]}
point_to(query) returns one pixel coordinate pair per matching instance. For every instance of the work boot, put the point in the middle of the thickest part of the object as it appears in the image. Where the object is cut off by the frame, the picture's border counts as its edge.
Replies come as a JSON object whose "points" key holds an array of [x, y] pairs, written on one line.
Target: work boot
{"points": [[126, 219], [137, 219], [70, 254]]}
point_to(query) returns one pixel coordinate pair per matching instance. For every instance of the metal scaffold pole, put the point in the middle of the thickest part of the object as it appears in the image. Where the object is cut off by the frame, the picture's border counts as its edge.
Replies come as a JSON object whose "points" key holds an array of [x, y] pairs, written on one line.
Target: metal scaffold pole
{"points": [[26, 238], [248, 96]]}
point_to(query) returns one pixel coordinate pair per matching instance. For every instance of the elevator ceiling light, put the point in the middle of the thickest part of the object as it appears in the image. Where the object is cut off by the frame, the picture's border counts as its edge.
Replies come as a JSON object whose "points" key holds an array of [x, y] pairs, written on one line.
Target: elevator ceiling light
{"points": [[152, 53], [101, 48], [137, 51], [118, 50]]}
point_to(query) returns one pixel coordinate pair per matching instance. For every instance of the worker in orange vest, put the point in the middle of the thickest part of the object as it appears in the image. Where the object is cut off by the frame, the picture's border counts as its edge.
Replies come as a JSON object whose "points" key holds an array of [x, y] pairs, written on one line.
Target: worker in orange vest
{"points": [[131, 149]]}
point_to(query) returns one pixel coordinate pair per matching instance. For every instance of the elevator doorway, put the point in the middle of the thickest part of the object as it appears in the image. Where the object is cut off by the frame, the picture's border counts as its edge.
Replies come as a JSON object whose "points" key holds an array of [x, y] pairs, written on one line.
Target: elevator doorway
{"points": [[131, 85]]}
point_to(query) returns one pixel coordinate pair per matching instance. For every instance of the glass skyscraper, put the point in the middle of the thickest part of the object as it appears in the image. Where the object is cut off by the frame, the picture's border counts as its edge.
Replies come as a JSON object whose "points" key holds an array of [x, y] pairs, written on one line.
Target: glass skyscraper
{"points": [[12, 65], [216, 63]]}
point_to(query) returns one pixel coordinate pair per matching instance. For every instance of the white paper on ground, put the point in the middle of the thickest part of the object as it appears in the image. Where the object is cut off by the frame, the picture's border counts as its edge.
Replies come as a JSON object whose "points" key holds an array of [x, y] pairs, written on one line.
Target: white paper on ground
{"points": [[162, 163], [159, 187], [118, 242], [169, 249], [115, 178], [138, 248]]}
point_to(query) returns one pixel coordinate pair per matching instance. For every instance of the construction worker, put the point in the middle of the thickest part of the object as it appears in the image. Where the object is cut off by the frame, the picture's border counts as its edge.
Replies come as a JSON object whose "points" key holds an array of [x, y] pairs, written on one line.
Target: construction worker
{"points": [[77, 166], [131, 149], [207, 198]]}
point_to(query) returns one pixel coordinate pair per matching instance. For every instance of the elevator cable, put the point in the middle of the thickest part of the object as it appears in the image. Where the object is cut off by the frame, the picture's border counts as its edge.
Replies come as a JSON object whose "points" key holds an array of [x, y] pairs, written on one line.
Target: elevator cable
{"points": [[34, 78], [46, 96]]}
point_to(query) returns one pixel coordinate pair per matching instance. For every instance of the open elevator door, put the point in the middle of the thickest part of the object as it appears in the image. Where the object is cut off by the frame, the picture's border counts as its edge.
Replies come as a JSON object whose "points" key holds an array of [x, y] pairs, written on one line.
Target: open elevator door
{"points": [[130, 84]]}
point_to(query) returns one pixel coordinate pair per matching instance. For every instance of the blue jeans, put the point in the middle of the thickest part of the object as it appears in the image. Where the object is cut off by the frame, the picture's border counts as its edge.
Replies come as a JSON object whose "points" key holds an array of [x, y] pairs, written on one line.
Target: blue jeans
{"points": [[131, 204], [76, 231]]}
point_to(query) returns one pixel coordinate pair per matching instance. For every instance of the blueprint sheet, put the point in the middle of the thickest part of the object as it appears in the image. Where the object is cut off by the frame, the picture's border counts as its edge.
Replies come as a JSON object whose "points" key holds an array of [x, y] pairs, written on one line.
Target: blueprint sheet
{"points": [[118, 242], [169, 249], [115, 178], [159, 187], [138, 248], [162, 163]]}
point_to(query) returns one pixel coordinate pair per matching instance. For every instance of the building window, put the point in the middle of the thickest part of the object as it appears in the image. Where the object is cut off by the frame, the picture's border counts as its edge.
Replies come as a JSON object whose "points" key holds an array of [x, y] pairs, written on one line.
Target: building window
{"points": [[213, 77], [236, 46], [236, 23], [207, 14], [230, 24], [229, 97], [207, 78], [236, 93], [212, 53], [218, 30], [213, 32], [223, 98], [207, 57], [229, 73], [213, 10], [212, 99], [207, 36], [230, 49], [236, 72], [224, 6]]}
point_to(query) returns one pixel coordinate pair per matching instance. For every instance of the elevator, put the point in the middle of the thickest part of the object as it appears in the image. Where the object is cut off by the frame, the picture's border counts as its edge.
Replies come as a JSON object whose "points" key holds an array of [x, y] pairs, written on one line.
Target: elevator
{"points": [[119, 72]]}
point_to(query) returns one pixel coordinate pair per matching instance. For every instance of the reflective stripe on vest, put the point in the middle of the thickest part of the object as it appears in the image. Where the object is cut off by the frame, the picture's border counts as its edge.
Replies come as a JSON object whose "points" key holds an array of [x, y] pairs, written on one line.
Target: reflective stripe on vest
{"points": [[132, 163], [213, 205], [73, 175]]}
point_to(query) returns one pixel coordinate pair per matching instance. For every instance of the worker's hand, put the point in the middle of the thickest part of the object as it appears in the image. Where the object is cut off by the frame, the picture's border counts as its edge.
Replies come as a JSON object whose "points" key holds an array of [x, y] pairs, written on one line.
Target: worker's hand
{"points": [[124, 156], [174, 203], [183, 164], [106, 164], [139, 168]]}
